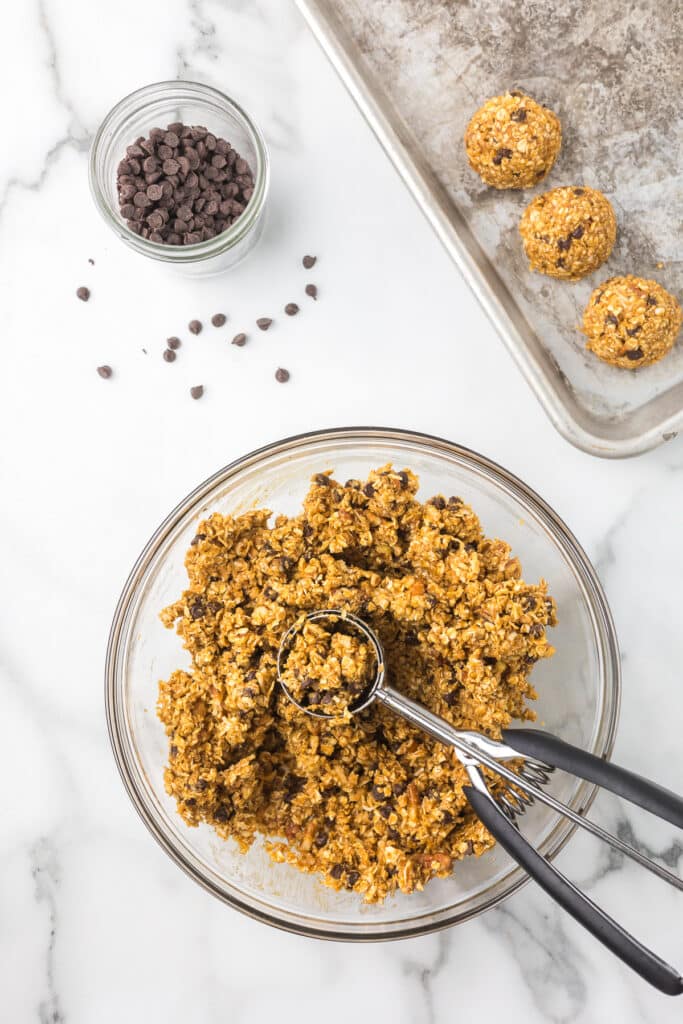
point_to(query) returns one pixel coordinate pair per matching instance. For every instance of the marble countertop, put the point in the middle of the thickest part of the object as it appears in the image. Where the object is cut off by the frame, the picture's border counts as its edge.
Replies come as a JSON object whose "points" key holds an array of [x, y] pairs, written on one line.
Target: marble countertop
{"points": [[96, 924]]}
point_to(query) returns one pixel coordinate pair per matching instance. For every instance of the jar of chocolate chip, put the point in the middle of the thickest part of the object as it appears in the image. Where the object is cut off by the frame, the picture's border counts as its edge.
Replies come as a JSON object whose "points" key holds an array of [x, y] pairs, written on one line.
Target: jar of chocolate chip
{"points": [[180, 172]]}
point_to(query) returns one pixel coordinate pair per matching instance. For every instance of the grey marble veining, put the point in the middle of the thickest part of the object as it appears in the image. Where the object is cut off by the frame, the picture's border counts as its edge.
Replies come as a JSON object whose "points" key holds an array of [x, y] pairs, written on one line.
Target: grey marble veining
{"points": [[612, 72]]}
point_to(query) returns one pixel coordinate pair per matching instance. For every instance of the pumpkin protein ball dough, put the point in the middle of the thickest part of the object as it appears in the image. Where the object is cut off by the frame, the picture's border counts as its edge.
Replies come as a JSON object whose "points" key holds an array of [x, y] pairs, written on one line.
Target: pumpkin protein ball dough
{"points": [[568, 232], [631, 322], [369, 802], [512, 141]]}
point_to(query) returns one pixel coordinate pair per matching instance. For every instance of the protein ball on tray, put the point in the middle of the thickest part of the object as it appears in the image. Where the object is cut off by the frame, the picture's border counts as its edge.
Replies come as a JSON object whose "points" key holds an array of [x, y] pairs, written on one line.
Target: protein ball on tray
{"points": [[568, 232], [631, 322], [513, 141]]}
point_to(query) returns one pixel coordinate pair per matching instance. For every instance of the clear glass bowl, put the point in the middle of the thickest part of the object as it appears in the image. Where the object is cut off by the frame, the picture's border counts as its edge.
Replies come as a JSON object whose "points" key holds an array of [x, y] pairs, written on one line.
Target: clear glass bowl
{"points": [[578, 689], [195, 104]]}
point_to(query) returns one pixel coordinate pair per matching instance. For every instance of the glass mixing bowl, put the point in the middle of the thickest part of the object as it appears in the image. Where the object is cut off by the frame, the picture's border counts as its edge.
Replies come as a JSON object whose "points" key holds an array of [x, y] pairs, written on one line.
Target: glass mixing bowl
{"points": [[578, 688]]}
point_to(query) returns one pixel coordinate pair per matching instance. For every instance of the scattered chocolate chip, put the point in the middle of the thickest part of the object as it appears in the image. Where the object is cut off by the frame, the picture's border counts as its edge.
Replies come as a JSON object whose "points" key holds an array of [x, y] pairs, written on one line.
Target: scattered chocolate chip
{"points": [[611, 319], [634, 353], [632, 331], [173, 342], [218, 319], [197, 391], [239, 340], [518, 115], [578, 232], [291, 309], [501, 154], [312, 290], [195, 327], [83, 293], [169, 355], [264, 322], [281, 375], [309, 261], [105, 371]]}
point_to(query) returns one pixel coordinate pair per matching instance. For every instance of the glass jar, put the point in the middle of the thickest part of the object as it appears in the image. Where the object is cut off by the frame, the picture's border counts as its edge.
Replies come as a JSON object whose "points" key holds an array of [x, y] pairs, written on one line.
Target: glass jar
{"points": [[195, 104]]}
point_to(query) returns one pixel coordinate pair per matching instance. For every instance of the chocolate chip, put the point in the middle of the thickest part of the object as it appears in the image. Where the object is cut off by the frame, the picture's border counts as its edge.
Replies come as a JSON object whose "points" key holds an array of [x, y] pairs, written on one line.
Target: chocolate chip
{"points": [[281, 375], [351, 878], [312, 291], [399, 788], [560, 263], [83, 293], [578, 232], [501, 154], [309, 261], [105, 371], [291, 309], [218, 319], [173, 342], [321, 839], [451, 698], [634, 353], [197, 391], [611, 319], [473, 545], [650, 301], [239, 340], [198, 537], [369, 490], [536, 630], [518, 115], [336, 871], [437, 502], [564, 243], [403, 477], [197, 609], [221, 814], [378, 794], [385, 811], [578, 191], [195, 327], [214, 607], [632, 331], [169, 355], [516, 92], [263, 323], [91, 261]]}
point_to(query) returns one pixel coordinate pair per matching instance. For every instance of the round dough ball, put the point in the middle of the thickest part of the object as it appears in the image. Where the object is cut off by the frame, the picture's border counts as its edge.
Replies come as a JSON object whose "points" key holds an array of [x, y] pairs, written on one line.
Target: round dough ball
{"points": [[512, 141], [568, 232], [631, 322]]}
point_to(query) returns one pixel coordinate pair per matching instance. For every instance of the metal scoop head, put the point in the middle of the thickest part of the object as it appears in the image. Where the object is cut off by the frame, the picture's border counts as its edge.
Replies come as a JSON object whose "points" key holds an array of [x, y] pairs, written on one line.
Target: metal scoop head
{"points": [[333, 615]]}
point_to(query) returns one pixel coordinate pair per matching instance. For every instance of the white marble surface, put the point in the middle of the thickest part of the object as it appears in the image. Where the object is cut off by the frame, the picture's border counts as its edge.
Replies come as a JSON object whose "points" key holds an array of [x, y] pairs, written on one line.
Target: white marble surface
{"points": [[96, 924]]}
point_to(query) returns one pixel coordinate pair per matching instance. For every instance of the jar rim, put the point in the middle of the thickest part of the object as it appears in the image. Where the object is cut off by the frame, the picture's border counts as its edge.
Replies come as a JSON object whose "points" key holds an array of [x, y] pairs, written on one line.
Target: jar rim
{"points": [[132, 104]]}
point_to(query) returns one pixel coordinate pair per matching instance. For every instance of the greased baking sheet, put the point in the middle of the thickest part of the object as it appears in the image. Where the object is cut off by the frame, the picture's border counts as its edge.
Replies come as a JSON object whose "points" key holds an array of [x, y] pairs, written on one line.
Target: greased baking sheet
{"points": [[612, 72]]}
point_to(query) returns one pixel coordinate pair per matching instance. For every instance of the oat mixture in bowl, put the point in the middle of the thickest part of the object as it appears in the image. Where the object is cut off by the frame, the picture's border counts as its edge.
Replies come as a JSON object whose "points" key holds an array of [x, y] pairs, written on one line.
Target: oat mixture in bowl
{"points": [[577, 687], [371, 804]]}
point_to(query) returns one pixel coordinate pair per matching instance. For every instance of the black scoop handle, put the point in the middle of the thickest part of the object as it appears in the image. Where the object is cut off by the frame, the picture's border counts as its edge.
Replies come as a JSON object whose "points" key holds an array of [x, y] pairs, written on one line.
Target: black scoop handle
{"points": [[632, 787], [642, 960]]}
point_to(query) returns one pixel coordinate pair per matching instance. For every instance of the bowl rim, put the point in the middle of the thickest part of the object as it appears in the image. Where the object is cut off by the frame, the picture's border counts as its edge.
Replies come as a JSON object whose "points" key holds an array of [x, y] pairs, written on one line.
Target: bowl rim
{"points": [[562, 831]]}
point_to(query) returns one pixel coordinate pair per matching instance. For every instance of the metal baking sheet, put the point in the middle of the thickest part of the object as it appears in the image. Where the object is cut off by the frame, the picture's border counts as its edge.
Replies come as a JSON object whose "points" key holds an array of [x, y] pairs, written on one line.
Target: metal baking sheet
{"points": [[419, 68]]}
